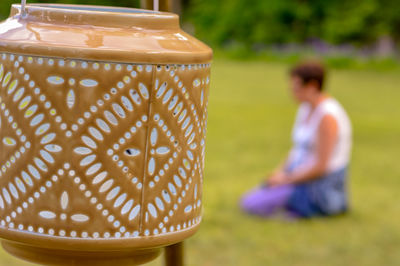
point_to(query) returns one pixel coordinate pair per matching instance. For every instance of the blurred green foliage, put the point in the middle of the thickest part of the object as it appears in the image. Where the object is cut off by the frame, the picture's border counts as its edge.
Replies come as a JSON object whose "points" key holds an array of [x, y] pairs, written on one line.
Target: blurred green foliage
{"points": [[343, 33], [259, 22], [252, 22]]}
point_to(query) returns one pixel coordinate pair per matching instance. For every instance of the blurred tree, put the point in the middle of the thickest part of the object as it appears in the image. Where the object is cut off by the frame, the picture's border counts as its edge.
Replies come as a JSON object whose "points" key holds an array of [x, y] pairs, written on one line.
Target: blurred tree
{"points": [[254, 23], [251, 22]]}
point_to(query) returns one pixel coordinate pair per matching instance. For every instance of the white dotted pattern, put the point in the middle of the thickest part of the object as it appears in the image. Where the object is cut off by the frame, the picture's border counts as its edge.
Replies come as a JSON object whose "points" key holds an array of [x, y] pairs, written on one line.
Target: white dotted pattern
{"points": [[108, 111]]}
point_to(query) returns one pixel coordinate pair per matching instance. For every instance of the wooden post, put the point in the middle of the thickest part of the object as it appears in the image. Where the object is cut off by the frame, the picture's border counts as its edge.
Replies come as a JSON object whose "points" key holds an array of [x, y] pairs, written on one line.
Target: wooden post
{"points": [[174, 255]]}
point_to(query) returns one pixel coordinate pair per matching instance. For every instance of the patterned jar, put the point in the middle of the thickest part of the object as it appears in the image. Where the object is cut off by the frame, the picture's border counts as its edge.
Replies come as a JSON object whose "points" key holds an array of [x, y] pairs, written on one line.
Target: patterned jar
{"points": [[103, 119]]}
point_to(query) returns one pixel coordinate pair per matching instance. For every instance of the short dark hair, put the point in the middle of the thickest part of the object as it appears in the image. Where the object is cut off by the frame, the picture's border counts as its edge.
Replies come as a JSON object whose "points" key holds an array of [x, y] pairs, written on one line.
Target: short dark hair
{"points": [[310, 71]]}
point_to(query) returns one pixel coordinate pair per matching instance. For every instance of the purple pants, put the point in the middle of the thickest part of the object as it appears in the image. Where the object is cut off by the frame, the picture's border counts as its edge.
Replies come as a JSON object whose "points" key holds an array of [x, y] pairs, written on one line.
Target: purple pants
{"points": [[265, 201]]}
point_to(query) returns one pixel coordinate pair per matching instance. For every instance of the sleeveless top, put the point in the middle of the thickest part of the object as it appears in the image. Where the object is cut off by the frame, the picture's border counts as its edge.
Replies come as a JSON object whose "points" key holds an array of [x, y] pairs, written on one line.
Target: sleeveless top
{"points": [[326, 194]]}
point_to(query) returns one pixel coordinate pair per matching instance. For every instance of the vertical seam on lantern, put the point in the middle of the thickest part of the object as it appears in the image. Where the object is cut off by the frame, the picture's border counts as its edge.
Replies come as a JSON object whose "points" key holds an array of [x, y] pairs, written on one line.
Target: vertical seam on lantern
{"points": [[142, 208]]}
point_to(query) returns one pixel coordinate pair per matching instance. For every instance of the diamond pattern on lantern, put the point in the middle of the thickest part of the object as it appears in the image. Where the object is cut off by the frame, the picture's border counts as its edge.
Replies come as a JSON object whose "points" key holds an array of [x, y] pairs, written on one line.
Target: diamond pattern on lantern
{"points": [[21, 176], [109, 155], [124, 152], [13, 142], [174, 149], [159, 148], [134, 151], [71, 84], [70, 217], [64, 201]]}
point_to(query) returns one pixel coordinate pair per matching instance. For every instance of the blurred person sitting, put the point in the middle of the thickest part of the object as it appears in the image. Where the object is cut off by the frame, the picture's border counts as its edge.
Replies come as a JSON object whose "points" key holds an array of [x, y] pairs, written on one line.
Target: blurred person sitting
{"points": [[312, 180]]}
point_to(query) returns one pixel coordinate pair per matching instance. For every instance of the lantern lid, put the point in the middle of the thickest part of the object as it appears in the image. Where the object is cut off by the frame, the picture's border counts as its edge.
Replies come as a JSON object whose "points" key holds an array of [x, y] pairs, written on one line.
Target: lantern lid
{"points": [[100, 33]]}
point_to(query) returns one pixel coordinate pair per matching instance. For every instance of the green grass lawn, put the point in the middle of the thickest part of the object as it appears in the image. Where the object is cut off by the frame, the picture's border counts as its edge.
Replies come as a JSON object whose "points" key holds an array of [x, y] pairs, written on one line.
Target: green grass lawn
{"points": [[250, 118]]}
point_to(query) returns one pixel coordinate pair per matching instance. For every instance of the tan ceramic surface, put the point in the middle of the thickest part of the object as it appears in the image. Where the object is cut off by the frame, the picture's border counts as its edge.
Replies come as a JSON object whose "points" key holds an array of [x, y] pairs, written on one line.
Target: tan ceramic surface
{"points": [[100, 154], [140, 37]]}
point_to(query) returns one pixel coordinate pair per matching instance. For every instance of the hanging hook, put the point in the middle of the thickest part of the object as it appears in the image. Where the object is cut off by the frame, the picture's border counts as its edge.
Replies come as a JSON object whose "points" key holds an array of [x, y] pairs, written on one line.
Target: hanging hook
{"points": [[156, 5], [23, 8]]}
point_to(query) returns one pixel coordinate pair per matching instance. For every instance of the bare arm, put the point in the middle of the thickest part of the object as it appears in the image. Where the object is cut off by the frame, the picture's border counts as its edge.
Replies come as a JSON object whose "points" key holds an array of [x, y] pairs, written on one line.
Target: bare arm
{"points": [[327, 136], [281, 166]]}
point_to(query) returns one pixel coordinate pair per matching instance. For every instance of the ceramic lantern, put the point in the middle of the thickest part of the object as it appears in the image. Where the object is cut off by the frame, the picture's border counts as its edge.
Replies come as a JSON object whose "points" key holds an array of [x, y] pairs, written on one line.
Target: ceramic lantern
{"points": [[103, 120]]}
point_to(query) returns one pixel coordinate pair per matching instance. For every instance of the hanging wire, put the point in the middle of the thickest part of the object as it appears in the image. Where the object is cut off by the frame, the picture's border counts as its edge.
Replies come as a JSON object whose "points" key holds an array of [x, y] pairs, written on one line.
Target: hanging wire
{"points": [[156, 5], [23, 7]]}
